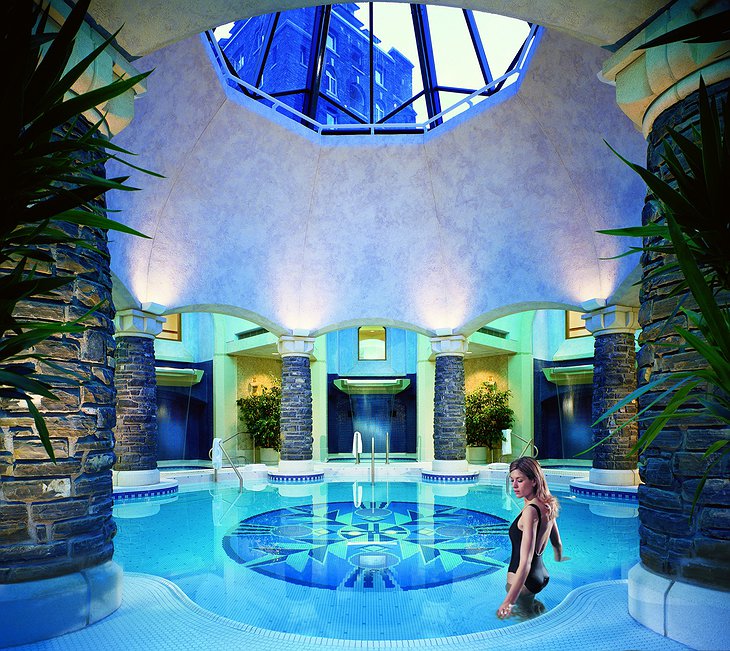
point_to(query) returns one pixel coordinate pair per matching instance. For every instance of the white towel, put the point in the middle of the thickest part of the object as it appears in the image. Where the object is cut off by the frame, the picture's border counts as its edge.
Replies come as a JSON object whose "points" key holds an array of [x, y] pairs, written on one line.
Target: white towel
{"points": [[217, 456], [507, 443], [356, 444]]}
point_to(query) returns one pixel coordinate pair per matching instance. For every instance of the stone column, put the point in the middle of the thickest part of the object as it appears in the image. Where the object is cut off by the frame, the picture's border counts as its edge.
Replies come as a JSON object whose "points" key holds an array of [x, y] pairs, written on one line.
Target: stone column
{"points": [[614, 378], [136, 384], [680, 588], [449, 432], [296, 403], [56, 525]]}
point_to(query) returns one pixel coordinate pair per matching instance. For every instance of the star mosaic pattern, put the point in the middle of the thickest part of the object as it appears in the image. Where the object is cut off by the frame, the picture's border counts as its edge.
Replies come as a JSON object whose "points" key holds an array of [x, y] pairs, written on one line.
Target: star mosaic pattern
{"points": [[373, 546]]}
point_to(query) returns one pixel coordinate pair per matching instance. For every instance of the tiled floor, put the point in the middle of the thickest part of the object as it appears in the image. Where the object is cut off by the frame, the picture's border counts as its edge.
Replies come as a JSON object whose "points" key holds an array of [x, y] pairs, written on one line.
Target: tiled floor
{"points": [[156, 615]]}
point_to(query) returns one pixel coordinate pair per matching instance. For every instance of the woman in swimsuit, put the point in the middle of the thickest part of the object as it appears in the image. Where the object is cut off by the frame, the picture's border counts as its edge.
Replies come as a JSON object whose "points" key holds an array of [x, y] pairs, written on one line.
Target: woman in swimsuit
{"points": [[529, 534]]}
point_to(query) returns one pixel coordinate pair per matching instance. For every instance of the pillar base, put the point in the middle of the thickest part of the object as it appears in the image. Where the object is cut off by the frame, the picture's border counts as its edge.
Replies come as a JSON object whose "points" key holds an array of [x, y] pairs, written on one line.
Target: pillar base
{"points": [[135, 477], [38, 610], [687, 613], [604, 477], [450, 466], [295, 467]]}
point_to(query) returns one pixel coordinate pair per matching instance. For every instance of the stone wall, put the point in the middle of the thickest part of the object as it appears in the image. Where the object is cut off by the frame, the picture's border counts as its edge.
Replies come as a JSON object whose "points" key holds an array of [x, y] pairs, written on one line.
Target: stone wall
{"points": [[449, 433], [136, 384], [56, 519], [614, 377], [296, 408], [694, 548]]}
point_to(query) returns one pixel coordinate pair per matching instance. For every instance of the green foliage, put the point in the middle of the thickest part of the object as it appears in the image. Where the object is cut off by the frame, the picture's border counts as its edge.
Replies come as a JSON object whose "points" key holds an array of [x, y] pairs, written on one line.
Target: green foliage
{"points": [[262, 415], [487, 414], [694, 227], [48, 184]]}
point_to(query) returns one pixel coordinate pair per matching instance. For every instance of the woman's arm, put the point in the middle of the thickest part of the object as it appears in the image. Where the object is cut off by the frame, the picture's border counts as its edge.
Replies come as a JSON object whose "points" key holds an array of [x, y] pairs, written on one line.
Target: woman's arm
{"points": [[557, 543], [528, 520]]}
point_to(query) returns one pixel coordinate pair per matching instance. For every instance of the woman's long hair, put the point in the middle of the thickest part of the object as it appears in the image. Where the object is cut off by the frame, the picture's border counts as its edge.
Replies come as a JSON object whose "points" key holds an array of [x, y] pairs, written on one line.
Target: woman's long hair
{"points": [[532, 470]]}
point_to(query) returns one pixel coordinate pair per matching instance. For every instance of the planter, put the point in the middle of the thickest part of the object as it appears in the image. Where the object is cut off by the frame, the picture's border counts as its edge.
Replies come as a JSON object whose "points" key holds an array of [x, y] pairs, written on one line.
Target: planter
{"points": [[269, 456], [476, 454]]}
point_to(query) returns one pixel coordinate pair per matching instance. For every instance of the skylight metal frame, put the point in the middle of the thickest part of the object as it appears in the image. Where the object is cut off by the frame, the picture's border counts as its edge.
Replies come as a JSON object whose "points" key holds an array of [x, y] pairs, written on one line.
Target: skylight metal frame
{"points": [[312, 92]]}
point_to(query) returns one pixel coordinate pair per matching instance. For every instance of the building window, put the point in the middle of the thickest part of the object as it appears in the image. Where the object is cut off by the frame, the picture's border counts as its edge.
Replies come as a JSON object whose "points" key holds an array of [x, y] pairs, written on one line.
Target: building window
{"points": [[331, 82], [171, 328], [371, 343], [357, 98], [330, 118], [379, 112], [575, 326], [332, 42], [303, 56], [379, 79]]}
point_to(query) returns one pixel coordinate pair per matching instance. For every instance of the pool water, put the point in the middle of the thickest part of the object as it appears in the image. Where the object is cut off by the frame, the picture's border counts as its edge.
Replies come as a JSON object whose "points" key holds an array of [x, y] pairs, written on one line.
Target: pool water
{"points": [[395, 560]]}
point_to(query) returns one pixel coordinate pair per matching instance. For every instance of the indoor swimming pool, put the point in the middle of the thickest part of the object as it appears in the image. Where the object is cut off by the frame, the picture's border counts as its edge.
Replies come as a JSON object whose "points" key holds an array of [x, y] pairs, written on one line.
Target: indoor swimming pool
{"points": [[347, 560]]}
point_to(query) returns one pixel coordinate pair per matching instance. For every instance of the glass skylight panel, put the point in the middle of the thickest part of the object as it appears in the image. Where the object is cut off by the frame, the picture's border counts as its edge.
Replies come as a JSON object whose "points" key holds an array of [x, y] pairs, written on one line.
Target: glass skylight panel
{"points": [[367, 67], [502, 38]]}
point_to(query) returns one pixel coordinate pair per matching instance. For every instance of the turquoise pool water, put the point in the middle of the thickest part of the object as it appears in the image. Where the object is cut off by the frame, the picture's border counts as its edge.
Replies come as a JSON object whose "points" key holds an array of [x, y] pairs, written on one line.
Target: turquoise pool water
{"points": [[395, 560]]}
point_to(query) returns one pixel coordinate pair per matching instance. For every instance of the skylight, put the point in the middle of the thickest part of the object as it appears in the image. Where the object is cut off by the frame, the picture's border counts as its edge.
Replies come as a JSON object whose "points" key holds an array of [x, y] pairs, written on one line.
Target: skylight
{"points": [[372, 67]]}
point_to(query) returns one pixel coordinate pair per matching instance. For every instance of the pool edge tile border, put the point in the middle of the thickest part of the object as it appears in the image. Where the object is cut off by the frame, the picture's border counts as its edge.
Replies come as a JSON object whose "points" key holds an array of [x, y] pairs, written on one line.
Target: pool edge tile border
{"points": [[537, 627]]}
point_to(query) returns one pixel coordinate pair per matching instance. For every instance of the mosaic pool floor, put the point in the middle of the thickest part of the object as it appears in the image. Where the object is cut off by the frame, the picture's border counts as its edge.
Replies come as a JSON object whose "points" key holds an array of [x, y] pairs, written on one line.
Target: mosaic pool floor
{"points": [[156, 615]]}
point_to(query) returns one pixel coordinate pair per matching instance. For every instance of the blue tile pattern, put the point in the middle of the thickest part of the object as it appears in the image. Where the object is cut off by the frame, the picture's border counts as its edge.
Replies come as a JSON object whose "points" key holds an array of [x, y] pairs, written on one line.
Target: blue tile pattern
{"points": [[605, 493], [442, 478], [306, 478], [385, 546], [122, 495]]}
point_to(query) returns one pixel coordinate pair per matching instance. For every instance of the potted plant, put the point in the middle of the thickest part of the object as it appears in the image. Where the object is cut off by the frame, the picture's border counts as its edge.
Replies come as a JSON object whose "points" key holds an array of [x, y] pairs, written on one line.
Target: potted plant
{"points": [[261, 413], [487, 414]]}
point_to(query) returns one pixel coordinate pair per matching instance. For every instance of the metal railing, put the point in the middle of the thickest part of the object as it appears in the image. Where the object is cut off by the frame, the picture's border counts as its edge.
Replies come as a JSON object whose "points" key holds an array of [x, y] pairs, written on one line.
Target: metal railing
{"points": [[230, 461]]}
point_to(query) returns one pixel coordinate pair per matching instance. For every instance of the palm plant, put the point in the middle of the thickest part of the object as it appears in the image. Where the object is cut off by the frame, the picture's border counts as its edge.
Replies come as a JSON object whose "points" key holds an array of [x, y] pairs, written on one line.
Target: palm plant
{"points": [[50, 186], [694, 228]]}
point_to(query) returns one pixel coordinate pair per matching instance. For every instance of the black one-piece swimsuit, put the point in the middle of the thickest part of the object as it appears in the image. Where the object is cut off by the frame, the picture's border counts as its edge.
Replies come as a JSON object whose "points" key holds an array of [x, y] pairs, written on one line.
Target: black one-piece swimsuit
{"points": [[538, 577]]}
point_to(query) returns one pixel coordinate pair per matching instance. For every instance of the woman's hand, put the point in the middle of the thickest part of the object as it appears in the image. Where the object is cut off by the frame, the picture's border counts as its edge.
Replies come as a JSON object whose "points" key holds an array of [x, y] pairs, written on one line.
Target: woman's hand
{"points": [[505, 610], [559, 555]]}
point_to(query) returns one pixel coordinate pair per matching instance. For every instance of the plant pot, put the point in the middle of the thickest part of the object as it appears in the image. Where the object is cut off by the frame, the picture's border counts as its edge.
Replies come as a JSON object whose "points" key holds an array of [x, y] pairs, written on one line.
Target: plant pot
{"points": [[269, 456], [476, 454]]}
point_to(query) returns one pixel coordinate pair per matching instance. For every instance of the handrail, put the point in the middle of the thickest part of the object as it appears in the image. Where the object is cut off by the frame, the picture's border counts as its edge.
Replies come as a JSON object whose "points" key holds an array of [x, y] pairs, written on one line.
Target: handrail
{"points": [[372, 461], [368, 128], [240, 477]]}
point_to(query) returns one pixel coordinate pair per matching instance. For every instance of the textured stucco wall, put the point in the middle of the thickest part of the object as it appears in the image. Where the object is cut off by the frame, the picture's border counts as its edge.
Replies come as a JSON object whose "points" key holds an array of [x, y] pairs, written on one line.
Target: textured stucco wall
{"points": [[151, 24], [486, 369], [443, 232]]}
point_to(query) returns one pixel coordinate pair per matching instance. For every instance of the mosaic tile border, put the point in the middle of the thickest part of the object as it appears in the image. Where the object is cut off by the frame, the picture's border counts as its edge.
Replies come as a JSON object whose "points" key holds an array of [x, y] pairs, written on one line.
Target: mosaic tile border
{"points": [[129, 494], [604, 493], [307, 478], [442, 478]]}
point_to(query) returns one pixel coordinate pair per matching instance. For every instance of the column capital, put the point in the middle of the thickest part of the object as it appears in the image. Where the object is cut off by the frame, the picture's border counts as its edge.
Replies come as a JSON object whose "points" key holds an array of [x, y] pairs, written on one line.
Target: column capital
{"points": [[295, 345], [612, 319], [146, 323], [650, 81], [450, 345]]}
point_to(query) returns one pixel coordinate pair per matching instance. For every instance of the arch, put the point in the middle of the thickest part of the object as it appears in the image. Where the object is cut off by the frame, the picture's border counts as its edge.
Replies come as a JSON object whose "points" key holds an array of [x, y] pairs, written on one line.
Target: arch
{"points": [[368, 321], [471, 326], [231, 310], [151, 26]]}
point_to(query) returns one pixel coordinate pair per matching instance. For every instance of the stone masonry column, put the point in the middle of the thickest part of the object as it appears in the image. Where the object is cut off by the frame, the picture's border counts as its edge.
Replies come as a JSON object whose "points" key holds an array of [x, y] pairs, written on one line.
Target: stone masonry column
{"points": [[449, 431], [681, 588], [136, 384], [296, 404], [614, 378]]}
